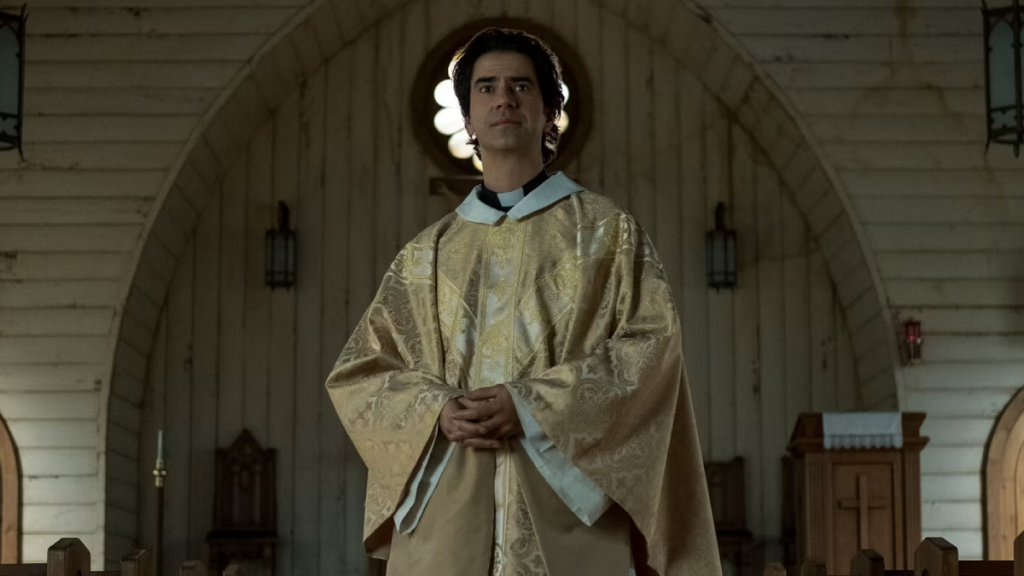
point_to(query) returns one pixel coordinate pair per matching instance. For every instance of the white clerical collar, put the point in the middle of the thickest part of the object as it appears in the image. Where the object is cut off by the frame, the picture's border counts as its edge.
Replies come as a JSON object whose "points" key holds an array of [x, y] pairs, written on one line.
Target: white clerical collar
{"points": [[556, 187], [512, 198]]}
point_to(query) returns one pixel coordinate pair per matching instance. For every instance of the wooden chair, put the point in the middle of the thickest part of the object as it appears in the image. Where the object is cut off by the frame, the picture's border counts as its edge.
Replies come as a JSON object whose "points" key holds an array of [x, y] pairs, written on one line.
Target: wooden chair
{"points": [[726, 490], [245, 506]]}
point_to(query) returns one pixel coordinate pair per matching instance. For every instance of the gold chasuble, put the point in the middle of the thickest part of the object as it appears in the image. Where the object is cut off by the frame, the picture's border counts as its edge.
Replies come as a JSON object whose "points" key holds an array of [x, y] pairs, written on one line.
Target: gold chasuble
{"points": [[564, 301]]}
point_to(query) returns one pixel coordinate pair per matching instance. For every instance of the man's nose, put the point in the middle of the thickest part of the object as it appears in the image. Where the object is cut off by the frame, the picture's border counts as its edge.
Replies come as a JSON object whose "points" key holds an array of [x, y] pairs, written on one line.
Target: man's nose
{"points": [[507, 100]]}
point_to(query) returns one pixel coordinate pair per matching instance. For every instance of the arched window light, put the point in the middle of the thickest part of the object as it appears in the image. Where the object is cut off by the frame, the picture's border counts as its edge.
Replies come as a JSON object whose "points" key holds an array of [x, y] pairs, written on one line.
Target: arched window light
{"points": [[1004, 73], [448, 121], [12, 79]]}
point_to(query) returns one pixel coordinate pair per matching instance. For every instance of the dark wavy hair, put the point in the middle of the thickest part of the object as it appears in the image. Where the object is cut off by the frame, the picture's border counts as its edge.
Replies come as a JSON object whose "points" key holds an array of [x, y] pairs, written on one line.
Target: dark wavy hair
{"points": [[545, 64]]}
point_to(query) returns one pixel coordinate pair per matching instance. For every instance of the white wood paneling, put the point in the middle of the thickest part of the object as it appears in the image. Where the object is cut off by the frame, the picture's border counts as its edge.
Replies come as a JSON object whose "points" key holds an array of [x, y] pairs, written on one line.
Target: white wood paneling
{"points": [[113, 91], [895, 93], [68, 462], [117, 89]]}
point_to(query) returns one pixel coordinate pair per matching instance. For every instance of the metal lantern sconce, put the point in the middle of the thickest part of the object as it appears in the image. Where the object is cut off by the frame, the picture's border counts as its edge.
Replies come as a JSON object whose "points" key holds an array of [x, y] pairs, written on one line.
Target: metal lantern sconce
{"points": [[280, 258], [1004, 74], [721, 252], [912, 340], [12, 80]]}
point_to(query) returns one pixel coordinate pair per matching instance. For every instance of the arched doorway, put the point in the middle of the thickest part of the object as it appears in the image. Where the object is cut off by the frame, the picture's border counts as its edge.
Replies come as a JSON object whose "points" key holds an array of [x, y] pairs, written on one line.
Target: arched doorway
{"points": [[1004, 481], [10, 493]]}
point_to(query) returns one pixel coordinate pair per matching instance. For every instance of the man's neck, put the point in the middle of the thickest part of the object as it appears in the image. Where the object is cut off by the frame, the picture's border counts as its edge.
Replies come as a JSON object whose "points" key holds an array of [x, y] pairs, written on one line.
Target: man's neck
{"points": [[508, 174]]}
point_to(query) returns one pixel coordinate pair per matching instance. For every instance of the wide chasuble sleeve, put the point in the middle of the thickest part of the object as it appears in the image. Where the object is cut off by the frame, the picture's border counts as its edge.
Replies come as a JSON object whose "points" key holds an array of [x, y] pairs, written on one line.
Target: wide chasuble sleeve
{"points": [[570, 308]]}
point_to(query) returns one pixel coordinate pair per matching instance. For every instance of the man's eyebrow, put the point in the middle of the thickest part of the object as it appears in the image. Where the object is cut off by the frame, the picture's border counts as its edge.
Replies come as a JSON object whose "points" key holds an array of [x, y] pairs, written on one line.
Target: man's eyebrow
{"points": [[491, 79]]}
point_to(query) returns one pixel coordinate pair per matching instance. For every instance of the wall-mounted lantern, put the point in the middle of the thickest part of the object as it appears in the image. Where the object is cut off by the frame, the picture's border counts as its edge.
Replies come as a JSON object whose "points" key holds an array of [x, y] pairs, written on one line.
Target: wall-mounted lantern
{"points": [[912, 340], [280, 258], [721, 252], [1004, 73], [12, 80]]}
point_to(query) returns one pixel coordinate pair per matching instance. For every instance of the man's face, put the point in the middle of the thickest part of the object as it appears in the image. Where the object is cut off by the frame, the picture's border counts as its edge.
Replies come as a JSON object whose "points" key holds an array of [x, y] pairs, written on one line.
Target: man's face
{"points": [[506, 108]]}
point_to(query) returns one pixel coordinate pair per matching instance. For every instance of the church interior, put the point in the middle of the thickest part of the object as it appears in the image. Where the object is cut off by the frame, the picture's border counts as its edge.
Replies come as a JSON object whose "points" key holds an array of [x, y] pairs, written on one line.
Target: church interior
{"points": [[198, 199]]}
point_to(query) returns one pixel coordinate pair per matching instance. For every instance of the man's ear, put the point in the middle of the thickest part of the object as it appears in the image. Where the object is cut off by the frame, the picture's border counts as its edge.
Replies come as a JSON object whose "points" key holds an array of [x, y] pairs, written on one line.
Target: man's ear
{"points": [[468, 125]]}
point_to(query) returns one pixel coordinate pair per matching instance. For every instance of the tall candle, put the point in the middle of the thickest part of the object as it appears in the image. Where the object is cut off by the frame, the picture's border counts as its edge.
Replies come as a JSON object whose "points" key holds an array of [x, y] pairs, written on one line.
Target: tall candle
{"points": [[160, 445]]}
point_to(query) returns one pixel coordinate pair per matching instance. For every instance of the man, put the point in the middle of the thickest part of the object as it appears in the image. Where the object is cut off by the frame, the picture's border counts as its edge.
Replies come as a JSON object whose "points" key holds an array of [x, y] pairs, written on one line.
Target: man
{"points": [[516, 388]]}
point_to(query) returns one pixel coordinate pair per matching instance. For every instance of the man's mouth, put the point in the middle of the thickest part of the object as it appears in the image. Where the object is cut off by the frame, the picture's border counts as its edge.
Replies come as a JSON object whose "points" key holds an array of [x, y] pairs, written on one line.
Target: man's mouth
{"points": [[505, 121]]}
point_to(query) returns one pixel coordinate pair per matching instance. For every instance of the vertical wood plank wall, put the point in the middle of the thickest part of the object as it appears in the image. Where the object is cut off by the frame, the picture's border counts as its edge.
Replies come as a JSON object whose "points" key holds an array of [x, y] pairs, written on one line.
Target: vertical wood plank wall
{"points": [[231, 354]]}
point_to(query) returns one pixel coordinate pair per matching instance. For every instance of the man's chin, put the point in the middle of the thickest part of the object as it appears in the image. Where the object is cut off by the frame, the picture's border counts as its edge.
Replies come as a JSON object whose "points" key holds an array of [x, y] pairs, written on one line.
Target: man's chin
{"points": [[511, 146]]}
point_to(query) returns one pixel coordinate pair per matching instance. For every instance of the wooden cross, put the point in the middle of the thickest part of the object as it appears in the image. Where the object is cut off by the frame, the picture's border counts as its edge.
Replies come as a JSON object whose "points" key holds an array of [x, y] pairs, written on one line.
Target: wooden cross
{"points": [[862, 504]]}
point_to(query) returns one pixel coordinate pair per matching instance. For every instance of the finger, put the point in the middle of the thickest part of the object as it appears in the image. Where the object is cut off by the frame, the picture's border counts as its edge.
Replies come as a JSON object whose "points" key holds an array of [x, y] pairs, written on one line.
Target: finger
{"points": [[481, 443], [467, 403], [481, 412], [451, 434], [470, 414], [458, 431], [494, 423], [469, 429], [485, 393]]}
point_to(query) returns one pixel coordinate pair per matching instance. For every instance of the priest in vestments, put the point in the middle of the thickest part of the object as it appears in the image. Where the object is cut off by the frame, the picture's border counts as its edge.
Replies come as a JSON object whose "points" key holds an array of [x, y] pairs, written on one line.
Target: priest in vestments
{"points": [[516, 388]]}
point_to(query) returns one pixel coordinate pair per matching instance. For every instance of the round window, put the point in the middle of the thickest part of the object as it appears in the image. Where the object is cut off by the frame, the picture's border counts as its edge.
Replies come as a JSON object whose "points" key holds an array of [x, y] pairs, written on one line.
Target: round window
{"points": [[438, 118]]}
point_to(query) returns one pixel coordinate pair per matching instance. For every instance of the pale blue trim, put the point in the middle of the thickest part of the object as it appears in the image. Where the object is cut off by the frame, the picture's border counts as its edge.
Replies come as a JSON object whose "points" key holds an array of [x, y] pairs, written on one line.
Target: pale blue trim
{"points": [[578, 492], [432, 466], [556, 187]]}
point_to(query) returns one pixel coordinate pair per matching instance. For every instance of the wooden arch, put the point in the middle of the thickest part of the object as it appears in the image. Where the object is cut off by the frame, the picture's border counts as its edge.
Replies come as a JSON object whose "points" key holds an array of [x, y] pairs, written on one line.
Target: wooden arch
{"points": [[686, 32], [10, 492], [1004, 480]]}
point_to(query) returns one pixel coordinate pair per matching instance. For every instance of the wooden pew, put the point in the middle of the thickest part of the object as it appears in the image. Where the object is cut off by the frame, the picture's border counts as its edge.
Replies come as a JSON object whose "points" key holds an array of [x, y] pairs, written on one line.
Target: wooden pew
{"points": [[135, 563], [871, 563], [813, 568], [197, 568], [70, 557], [937, 557], [192, 568]]}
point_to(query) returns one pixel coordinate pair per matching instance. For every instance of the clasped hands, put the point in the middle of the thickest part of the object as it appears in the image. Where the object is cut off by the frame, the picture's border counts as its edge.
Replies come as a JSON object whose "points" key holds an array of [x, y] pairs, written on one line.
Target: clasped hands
{"points": [[481, 419]]}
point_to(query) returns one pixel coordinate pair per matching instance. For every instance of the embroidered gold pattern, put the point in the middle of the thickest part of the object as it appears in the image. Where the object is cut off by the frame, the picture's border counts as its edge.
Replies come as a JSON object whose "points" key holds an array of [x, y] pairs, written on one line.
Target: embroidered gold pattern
{"points": [[570, 308]]}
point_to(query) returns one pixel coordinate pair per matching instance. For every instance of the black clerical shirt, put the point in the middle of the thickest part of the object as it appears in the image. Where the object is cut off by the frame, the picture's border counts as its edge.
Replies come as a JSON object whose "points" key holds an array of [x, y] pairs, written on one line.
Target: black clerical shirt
{"points": [[490, 197]]}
